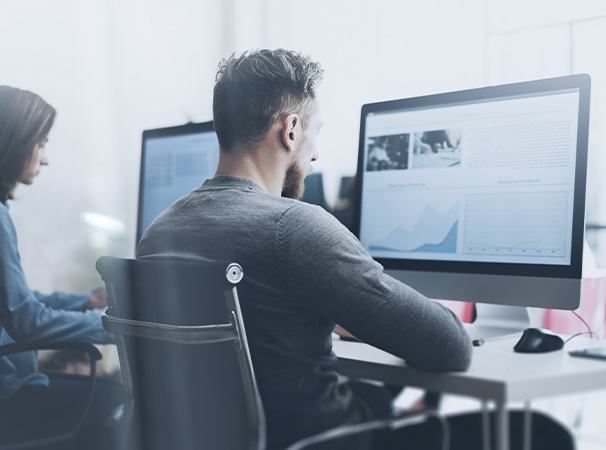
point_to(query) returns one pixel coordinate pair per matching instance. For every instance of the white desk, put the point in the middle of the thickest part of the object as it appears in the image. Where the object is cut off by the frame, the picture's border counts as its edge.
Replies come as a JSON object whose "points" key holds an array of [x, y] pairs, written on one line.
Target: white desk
{"points": [[497, 373]]}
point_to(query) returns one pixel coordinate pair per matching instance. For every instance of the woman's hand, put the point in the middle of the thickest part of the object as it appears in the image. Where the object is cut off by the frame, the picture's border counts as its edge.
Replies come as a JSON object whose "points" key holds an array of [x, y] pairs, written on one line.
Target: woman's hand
{"points": [[98, 300]]}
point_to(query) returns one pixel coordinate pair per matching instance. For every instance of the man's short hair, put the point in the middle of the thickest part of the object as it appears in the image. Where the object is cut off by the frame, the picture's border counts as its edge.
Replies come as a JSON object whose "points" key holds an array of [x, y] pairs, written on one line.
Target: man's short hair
{"points": [[255, 89]]}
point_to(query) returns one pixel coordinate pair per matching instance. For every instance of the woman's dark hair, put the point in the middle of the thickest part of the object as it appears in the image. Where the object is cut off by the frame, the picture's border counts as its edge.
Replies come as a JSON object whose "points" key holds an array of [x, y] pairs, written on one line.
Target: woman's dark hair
{"points": [[25, 120], [255, 89]]}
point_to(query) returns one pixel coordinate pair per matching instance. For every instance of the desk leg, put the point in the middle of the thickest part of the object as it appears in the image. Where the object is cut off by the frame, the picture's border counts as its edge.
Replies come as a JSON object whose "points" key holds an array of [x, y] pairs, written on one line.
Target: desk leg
{"points": [[485, 426], [527, 425], [502, 426]]}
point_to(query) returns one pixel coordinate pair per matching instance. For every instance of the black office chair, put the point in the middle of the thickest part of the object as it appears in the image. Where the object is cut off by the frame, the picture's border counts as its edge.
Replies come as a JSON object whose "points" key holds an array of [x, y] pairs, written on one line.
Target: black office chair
{"points": [[54, 433], [185, 359]]}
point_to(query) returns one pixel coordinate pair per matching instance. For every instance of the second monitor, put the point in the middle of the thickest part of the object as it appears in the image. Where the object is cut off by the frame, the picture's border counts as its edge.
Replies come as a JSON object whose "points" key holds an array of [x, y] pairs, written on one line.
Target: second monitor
{"points": [[174, 161]]}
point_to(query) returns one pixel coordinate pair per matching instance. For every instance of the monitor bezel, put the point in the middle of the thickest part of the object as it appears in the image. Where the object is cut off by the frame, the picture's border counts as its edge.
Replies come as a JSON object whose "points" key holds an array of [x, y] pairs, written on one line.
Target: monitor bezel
{"points": [[582, 82], [154, 133]]}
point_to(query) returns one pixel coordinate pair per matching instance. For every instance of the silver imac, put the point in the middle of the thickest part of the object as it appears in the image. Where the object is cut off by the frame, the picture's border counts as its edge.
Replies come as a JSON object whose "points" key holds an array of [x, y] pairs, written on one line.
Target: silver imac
{"points": [[479, 195]]}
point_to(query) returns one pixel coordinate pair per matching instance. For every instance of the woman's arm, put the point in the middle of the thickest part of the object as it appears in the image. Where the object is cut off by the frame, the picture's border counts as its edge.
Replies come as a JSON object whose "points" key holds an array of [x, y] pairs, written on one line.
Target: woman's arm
{"points": [[24, 317]]}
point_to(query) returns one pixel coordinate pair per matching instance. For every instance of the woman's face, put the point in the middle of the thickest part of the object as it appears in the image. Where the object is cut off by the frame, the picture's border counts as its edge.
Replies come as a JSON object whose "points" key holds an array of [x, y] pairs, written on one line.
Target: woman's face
{"points": [[38, 159]]}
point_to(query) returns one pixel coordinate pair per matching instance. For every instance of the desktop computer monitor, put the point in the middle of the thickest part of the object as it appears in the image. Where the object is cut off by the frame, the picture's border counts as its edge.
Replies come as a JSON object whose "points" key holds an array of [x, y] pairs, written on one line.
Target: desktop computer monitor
{"points": [[174, 161], [314, 190], [479, 195]]}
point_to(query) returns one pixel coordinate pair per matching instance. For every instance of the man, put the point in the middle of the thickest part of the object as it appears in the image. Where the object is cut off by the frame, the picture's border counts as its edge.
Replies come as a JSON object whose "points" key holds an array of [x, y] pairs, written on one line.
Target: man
{"points": [[304, 271]]}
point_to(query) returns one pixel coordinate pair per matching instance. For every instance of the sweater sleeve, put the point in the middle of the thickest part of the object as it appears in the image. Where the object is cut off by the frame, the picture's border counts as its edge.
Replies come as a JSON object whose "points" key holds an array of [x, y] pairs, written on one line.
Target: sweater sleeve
{"points": [[330, 273], [62, 300], [24, 317]]}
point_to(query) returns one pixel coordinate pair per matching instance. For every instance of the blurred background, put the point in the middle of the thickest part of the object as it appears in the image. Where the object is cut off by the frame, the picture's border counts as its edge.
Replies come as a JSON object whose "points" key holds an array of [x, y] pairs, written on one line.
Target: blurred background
{"points": [[113, 68]]}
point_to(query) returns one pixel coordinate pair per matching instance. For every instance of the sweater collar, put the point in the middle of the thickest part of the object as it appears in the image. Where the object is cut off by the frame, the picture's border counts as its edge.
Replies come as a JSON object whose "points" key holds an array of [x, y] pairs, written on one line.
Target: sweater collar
{"points": [[225, 181]]}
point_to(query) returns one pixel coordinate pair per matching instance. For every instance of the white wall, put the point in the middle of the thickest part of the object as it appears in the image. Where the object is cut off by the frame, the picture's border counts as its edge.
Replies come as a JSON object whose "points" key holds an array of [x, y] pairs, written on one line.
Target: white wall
{"points": [[371, 51], [113, 68], [547, 38]]}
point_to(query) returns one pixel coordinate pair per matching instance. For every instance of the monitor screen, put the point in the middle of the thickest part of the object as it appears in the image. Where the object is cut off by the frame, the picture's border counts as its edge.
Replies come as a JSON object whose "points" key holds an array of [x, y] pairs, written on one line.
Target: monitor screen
{"points": [[479, 195], [174, 161], [314, 190]]}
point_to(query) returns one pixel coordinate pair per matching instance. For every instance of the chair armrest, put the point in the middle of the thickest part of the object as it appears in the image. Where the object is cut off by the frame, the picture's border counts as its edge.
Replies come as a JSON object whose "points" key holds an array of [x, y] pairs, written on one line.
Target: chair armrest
{"points": [[92, 351], [395, 421]]}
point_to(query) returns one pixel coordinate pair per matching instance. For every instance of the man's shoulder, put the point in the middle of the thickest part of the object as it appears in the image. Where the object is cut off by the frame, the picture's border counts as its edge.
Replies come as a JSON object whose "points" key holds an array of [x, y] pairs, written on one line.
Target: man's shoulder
{"points": [[298, 210], [249, 196], [314, 223]]}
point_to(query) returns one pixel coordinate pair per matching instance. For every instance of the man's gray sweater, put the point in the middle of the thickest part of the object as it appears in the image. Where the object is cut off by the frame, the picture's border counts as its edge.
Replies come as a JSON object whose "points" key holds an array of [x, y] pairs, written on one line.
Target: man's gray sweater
{"points": [[303, 273]]}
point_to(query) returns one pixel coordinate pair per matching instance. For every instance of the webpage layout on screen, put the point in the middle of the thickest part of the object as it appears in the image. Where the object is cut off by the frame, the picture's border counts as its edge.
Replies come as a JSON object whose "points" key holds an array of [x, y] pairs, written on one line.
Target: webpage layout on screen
{"points": [[174, 166], [484, 181]]}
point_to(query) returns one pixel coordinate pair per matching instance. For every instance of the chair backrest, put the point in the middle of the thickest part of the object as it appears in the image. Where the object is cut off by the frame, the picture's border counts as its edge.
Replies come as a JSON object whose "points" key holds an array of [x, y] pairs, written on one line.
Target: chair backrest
{"points": [[183, 354]]}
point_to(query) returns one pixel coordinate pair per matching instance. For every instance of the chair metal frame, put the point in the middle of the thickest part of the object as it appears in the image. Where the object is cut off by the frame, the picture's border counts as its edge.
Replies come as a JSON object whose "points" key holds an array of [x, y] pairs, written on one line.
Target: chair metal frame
{"points": [[233, 331]]}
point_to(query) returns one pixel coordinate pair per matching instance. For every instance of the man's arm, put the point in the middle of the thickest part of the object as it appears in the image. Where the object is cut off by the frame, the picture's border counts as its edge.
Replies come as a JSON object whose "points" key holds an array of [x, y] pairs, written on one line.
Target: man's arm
{"points": [[330, 273]]}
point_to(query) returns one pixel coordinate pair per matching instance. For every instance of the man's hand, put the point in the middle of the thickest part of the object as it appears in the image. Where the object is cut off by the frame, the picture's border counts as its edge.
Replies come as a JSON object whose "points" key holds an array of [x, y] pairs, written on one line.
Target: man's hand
{"points": [[97, 300]]}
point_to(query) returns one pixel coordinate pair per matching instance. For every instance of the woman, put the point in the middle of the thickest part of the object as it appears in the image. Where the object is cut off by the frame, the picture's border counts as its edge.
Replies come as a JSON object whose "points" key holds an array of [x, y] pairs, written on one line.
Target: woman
{"points": [[27, 316]]}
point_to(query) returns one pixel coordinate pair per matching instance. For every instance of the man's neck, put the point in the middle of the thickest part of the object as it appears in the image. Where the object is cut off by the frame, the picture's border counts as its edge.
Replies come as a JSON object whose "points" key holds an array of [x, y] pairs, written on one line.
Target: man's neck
{"points": [[257, 166]]}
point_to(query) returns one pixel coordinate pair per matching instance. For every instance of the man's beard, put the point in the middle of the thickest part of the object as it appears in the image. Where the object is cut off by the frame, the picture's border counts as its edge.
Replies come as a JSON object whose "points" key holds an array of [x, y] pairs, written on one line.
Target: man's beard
{"points": [[294, 184]]}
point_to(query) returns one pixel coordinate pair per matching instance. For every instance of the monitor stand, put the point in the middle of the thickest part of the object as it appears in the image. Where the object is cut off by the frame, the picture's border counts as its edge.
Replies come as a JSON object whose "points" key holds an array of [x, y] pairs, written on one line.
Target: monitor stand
{"points": [[494, 321]]}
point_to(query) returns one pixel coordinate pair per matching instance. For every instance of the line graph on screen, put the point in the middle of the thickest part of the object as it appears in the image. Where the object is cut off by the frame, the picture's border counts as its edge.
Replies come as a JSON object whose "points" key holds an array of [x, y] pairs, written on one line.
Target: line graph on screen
{"points": [[520, 224]]}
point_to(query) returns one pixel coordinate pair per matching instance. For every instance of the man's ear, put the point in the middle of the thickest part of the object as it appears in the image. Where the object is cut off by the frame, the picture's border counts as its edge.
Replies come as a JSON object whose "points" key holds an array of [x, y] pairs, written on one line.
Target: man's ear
{"points": [[290, 131]]}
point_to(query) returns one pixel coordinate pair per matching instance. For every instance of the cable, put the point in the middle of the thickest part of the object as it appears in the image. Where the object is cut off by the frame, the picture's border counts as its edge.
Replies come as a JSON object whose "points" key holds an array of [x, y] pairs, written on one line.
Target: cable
{"points": [[578, 334], [583, 320]]}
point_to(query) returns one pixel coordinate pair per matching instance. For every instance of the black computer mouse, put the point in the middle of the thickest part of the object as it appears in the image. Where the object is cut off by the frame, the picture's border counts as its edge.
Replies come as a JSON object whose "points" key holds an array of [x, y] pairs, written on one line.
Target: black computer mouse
{"points": [[538, 340]]}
